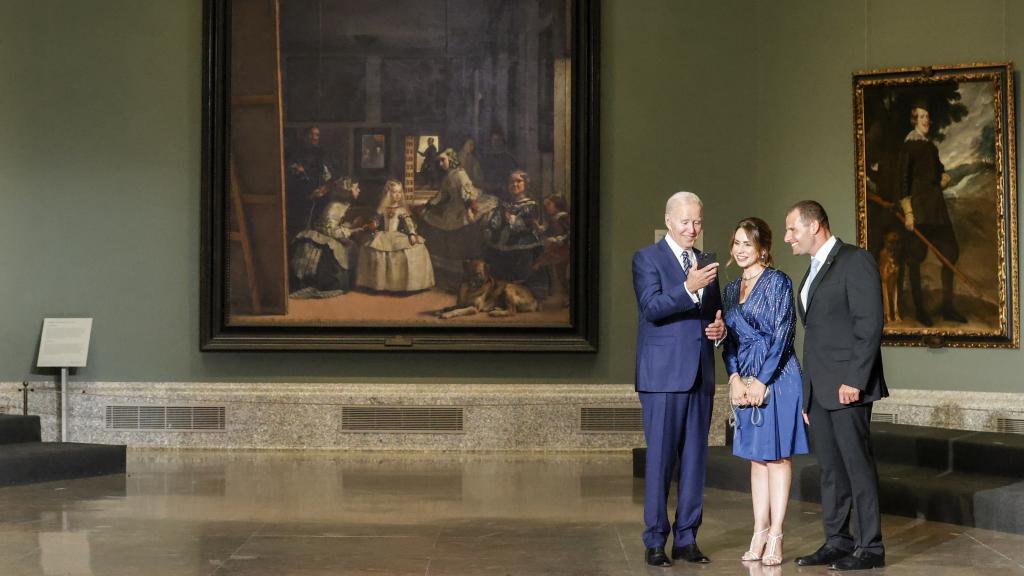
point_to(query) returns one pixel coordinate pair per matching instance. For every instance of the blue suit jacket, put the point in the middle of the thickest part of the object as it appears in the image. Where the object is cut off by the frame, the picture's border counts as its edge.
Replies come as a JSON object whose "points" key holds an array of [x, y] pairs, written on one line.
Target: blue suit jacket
{"points": [[670, 341]]}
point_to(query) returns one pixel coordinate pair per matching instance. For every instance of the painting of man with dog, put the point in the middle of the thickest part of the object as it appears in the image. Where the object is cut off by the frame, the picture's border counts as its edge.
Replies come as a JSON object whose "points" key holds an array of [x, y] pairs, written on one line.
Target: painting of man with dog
{"points": [[937, 202], [409, 230]]}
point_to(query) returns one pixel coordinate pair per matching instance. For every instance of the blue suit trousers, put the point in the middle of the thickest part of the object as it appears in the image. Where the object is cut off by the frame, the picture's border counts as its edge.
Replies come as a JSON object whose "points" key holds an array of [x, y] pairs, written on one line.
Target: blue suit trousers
{"points": [[676, 427]]}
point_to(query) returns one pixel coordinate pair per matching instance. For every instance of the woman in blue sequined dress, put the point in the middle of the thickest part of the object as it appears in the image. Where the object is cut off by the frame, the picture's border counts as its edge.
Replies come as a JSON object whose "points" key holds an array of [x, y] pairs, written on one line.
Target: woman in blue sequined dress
{"points": [[764, 382]]}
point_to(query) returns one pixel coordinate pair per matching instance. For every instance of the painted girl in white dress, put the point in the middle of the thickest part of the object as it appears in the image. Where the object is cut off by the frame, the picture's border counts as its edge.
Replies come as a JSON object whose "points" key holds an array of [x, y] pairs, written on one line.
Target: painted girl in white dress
{"points": [[396, 258]]}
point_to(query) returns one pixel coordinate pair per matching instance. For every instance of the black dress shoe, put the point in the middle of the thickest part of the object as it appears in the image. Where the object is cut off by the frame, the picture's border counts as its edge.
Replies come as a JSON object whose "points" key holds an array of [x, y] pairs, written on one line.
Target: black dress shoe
{"points": [[690, 553], [657, 557], [860, 560], [925, 320], [822, 556]]}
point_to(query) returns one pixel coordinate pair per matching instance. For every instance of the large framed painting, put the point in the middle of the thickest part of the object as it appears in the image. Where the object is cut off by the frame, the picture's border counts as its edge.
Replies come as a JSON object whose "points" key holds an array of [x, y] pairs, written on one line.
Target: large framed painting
{"points": [[937, 201], [400, 175]]}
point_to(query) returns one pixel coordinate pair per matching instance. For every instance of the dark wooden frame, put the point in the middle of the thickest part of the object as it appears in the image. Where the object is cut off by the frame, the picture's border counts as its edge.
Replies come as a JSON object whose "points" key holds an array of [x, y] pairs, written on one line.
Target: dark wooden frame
{"points": [[216, 334], [1006, 334]]}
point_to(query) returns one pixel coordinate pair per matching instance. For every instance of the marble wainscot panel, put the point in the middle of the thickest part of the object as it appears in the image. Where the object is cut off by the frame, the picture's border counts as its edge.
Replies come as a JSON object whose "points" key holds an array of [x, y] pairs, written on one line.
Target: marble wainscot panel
{"points": [[309, 415], [495, 416], [957, 410], [43, 400]]}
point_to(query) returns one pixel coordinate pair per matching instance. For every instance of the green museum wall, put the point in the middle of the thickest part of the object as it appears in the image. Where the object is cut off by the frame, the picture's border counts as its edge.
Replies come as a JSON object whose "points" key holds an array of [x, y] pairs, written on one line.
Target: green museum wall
{"points": [[746, 103], [806, 52], [100, 174]]}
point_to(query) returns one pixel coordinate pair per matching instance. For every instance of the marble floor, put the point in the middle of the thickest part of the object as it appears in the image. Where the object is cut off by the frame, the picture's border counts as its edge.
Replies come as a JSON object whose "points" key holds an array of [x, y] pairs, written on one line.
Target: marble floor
{"points": [[218, 513]]}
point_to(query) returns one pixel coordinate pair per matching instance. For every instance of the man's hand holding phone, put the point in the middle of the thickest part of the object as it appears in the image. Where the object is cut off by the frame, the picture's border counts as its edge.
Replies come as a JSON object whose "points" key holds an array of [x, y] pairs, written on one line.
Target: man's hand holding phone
{"points": [[705, 272]]}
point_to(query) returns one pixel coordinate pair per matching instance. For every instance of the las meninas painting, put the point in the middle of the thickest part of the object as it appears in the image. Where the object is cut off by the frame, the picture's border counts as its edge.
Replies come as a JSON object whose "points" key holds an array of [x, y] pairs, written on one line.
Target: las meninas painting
{"points": [[937, 201], [410, 173]]}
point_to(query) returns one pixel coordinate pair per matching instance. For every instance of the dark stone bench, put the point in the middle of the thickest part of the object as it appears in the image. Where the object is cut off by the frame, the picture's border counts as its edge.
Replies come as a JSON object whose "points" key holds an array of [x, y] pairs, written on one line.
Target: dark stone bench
{"points": [[25, 459], [955, 476]]}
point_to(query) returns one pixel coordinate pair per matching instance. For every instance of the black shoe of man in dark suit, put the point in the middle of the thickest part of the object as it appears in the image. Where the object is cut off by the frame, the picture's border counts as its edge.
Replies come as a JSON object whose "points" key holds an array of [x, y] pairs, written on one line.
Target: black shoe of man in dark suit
{"points": [[861, 559], [823, 556], [657, 557]]}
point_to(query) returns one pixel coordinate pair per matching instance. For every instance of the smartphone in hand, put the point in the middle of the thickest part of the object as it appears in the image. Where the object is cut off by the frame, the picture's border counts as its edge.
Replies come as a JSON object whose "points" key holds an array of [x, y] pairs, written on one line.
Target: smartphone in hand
{"points": [[705, 258]]}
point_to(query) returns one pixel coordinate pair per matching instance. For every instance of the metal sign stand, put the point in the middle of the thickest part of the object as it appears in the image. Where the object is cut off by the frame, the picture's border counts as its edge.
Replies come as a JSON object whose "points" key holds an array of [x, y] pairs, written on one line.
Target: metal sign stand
{"points": [[64, 344]]}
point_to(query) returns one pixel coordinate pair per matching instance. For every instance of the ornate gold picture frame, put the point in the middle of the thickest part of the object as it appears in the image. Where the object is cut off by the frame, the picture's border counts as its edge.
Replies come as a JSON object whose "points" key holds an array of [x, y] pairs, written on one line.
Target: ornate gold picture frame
{"points": [[936, 201]]}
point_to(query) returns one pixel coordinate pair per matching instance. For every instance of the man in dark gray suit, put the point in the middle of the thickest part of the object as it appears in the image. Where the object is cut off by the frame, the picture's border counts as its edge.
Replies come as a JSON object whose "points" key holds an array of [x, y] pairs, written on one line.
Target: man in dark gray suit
{"points": [[840, 304]]}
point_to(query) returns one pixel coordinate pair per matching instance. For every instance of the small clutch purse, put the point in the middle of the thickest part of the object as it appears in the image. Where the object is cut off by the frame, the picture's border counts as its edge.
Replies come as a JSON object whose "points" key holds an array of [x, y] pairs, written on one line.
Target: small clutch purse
{"points": [[756, 418]]}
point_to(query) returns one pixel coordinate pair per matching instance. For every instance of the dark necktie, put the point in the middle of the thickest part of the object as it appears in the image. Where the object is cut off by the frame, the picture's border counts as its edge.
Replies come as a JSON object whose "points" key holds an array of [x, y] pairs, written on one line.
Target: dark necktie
{"points": [[686, 264]]}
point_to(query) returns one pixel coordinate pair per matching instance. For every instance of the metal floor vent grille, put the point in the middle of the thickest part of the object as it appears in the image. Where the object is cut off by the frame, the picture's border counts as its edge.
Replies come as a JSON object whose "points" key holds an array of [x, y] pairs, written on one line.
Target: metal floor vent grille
{"points": [[608, 419], [401, 419], [885, 417], [1011, 425], [165, 418]]}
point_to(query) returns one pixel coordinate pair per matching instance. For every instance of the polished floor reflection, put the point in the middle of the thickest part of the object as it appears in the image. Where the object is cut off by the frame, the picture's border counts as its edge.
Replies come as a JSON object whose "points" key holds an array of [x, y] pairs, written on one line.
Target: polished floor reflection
{"points": [[312, 513]]}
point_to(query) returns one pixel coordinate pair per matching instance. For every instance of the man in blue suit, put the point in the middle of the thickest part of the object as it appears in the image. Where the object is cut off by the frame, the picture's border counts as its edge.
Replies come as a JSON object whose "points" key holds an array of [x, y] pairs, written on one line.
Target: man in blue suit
{"points": [[680, 323]]}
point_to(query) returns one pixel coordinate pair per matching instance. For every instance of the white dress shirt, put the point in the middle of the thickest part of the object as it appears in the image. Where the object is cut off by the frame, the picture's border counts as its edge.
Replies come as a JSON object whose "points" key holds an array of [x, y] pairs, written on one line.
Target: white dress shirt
{"points": [[678, 251], [820, 256]]}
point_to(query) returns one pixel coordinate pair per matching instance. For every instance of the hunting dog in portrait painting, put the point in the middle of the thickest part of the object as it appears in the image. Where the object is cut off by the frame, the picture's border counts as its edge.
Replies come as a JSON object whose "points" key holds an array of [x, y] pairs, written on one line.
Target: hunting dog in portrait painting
{"points": [[888, 269]]}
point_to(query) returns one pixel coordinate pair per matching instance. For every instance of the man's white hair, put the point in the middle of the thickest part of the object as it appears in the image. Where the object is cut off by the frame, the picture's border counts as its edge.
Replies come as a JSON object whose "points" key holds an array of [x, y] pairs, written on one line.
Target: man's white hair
{"points": [[682, 198]]}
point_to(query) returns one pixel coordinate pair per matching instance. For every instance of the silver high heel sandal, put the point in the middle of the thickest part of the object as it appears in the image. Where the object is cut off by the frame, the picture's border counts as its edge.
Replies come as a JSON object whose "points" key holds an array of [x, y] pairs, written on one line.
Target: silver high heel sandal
{"points": [[772, 557], [754, 554]]}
